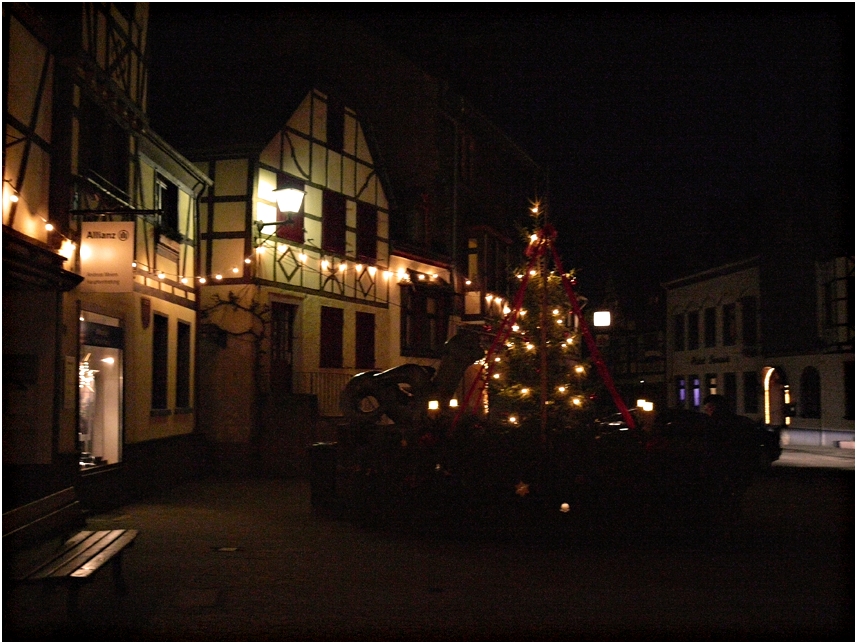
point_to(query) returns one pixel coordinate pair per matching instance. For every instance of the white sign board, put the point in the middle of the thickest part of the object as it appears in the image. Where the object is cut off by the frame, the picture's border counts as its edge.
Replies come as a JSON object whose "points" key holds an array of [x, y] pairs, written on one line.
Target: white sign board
{"points": [[106, 255]]}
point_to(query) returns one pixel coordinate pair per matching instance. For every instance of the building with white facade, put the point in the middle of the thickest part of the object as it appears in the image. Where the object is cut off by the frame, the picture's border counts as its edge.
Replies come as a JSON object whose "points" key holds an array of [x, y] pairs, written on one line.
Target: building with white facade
{"points": [[726, 334]]}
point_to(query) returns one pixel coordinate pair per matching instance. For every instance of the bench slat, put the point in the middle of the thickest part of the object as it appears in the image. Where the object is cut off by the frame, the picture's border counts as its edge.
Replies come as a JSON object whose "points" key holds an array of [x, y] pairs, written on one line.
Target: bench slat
{"points": [[69, 559], [65, 547], [70, 549], [106, 537], [96, 562]]}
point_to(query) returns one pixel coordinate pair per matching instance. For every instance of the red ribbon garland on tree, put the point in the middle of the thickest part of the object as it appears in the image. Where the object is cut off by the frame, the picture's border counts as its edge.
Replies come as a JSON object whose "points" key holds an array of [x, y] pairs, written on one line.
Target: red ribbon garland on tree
{"points": [[535, 251]]}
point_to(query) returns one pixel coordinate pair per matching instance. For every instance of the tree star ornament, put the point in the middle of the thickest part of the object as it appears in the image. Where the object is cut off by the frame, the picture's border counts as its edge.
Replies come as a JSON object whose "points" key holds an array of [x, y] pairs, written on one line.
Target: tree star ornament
{"points": [[522, 489]]}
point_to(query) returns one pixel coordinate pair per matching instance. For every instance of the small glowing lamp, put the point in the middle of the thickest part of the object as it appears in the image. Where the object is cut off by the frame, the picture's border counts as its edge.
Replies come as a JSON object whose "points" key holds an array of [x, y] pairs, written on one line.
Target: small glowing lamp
{"points": [[601, 318], [289, 199], [433, 405]]}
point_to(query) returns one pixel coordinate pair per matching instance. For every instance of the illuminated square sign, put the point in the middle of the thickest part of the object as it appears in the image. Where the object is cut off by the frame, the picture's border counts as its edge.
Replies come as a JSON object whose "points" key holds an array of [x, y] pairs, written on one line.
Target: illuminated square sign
{"points": [[601, 318], [106, 255]]}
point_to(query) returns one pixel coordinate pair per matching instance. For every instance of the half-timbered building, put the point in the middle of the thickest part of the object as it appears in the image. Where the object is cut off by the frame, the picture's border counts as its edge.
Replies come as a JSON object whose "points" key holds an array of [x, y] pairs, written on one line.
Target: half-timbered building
{"points": [[99, 229]]}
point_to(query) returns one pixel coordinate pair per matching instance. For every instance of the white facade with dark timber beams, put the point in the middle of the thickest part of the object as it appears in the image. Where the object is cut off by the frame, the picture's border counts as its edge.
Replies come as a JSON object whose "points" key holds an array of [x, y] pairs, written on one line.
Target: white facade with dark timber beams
{"points": [[295, 303]]}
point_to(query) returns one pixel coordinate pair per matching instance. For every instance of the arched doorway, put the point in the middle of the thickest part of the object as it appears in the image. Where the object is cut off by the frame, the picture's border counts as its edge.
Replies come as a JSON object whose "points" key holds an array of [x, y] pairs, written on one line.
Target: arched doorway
{"points": [[777, 396]]}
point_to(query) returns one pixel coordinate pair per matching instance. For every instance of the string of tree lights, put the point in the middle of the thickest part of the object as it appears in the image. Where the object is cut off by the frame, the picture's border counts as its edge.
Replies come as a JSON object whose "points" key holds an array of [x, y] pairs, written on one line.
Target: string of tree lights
{"points": [[534, 369]]}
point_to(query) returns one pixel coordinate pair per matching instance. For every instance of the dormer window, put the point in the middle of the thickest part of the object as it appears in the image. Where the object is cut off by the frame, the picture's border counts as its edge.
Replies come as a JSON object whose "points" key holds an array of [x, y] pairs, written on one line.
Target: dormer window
{"points": [[167, 201]]}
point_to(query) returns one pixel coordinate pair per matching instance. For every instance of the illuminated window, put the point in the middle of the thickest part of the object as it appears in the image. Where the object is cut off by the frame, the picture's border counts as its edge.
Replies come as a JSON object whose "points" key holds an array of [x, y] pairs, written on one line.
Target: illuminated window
{"points": [[681, 391], [695, 392], [711, 383], [100, 389]]}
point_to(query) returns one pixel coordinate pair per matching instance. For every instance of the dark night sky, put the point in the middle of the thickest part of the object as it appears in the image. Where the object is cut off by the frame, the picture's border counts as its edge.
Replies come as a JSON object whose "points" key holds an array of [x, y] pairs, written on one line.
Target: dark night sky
{"points": [[674, 140]]}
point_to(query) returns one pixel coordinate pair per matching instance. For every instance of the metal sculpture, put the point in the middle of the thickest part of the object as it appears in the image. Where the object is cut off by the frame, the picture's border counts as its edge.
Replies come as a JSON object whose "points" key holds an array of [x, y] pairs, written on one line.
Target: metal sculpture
{"points": [[402, 393]]}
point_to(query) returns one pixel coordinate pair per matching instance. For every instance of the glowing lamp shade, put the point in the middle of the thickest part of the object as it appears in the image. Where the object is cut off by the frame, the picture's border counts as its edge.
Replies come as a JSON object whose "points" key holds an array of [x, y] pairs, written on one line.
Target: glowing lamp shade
{"points": [[433, 404], [601, 318], [289, 199]]}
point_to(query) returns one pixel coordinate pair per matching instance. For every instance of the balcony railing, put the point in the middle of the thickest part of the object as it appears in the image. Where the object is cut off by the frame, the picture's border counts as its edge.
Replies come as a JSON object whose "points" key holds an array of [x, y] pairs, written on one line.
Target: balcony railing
{"points": [[327, 386]]}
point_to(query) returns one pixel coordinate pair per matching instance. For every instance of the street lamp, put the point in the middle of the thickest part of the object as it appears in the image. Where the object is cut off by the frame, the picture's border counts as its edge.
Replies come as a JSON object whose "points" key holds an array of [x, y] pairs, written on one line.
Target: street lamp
{"points": [[289, 201]]}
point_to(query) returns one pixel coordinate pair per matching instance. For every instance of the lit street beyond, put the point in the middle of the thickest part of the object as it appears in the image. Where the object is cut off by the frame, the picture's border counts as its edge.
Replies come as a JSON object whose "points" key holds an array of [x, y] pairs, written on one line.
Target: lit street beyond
{"points": [[249, 559]]}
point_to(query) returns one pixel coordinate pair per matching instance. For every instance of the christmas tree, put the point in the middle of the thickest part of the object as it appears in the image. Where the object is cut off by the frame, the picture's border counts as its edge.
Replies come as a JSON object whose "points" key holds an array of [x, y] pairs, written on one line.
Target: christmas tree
{"points": [[540, 365], [536, 373], [538, 376]]}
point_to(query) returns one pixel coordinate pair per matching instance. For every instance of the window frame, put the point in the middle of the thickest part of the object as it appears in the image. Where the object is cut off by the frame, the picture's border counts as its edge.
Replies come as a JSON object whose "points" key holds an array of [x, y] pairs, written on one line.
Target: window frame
{"points": [[184, 341], [424, 331], [367, 232], [710, 327], [331, 327], [333, 222], [693, 330], [364, 340], [729, 324], [679, 332], [160, 362]]}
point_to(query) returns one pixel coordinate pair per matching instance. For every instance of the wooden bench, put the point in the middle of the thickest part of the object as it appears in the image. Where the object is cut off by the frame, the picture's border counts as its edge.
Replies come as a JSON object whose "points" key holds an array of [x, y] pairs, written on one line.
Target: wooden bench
{"points": [[76, 560]]}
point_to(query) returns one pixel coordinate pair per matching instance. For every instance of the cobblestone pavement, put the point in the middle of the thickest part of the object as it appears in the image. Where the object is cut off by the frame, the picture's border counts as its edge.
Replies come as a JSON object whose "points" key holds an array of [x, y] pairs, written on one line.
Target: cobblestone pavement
{"points": [[227, 559]]}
